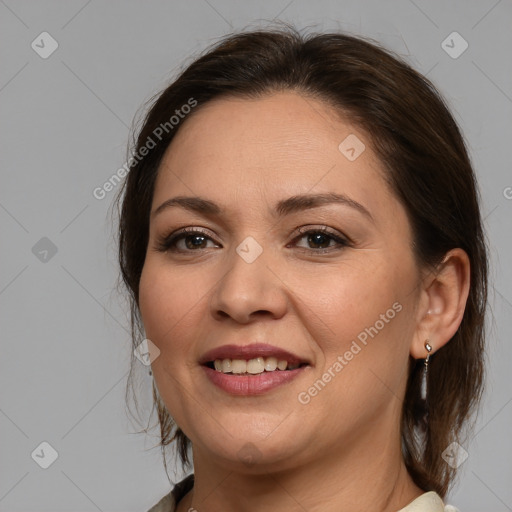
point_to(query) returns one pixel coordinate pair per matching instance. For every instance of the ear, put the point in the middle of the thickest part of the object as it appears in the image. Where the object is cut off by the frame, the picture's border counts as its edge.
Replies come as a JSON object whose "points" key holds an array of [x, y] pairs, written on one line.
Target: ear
{"points": [[442, 302]]}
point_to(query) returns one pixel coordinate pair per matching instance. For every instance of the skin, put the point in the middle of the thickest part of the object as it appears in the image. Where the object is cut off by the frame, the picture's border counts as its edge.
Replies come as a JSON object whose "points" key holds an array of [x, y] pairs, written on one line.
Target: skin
{"points": [[340, 451]]}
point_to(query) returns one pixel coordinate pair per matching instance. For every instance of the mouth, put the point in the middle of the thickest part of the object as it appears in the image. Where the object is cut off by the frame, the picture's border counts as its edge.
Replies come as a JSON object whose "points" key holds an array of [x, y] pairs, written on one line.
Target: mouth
{"points": [[251, 369], [253, 366]]}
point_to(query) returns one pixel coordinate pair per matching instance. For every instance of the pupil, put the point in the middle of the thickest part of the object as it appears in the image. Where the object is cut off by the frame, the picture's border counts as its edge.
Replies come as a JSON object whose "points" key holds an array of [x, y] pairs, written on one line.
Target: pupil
{"points": [[317, 239], [195, 239]]}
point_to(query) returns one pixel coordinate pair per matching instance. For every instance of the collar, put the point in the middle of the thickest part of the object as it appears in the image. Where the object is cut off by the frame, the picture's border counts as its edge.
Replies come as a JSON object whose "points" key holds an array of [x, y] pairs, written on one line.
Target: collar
{"points": [[428, 502]]}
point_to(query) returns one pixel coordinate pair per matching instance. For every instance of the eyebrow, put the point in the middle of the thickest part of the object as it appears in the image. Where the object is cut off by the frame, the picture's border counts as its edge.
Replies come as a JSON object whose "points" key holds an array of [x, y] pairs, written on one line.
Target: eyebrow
{"points": [[284, 207]]}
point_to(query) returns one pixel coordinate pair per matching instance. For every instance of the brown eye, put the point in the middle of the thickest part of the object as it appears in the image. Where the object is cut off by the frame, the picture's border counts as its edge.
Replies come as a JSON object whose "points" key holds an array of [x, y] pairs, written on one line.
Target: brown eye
{"points": [[321, 240], [194, 241], [186, 240]]}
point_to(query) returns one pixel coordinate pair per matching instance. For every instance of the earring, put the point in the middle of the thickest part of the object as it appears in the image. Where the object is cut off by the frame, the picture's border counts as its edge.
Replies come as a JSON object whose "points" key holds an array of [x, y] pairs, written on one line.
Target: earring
{"points": [[428, 348]]}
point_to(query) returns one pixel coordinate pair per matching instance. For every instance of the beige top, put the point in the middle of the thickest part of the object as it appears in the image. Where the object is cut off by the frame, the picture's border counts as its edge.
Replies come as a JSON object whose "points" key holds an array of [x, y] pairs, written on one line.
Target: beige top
{"points": [[428, 502]]}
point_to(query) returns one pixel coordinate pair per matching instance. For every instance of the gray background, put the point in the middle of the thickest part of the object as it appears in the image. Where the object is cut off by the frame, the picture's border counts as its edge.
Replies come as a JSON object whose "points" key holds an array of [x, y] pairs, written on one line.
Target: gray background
{"points": [[65, 123]]}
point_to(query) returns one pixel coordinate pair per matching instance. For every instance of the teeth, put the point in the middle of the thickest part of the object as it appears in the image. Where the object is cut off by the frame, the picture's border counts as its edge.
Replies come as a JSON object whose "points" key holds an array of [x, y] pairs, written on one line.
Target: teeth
{"points": [[282, 365], [256, 365], [252, 366], [226, 365], [270, 364], [238, 366]]}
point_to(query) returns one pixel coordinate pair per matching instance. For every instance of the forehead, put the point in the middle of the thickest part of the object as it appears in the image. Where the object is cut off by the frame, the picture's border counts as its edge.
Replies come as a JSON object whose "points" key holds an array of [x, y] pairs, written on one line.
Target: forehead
{"points": [[276, 145]]}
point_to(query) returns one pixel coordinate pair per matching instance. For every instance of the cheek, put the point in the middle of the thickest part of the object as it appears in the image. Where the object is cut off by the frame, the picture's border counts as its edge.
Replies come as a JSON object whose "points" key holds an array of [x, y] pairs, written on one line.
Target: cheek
{"points": [[348, 300], [166, 300], [153, 302], [364, 335], [362, 324], [168, 304]]}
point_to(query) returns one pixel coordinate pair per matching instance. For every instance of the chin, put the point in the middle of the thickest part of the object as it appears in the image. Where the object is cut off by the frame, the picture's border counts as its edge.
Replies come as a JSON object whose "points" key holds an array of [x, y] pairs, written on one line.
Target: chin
{"points": [[253, 446]]}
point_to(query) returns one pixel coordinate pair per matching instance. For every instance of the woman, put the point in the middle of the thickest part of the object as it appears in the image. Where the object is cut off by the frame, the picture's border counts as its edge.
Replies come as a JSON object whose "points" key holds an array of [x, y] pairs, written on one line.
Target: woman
{"points": [[301, 238]]}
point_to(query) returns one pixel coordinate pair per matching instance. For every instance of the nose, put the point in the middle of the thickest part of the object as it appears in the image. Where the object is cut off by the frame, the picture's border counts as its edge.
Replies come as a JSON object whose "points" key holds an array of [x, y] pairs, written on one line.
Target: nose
{"points": [[248, 291]]}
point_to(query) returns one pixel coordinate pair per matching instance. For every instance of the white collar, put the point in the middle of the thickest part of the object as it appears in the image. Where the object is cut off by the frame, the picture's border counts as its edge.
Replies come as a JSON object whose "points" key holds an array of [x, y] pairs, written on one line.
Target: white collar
{"points": [[428, 502]]}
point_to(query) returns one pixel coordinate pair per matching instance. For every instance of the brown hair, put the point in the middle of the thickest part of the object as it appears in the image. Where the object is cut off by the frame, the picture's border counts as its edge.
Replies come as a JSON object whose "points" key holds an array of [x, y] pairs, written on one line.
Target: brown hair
{"points": [[427, 165]]}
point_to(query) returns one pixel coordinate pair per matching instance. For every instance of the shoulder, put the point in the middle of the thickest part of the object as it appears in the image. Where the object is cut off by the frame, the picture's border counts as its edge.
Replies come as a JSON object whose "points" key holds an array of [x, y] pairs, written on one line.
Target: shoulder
{"points": [[169, 501], [428, 502], [166, 504]]}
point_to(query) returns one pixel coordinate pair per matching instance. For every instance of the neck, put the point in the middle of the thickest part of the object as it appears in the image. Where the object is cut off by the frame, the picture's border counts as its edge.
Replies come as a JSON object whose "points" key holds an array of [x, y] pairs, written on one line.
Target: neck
{"points": [[369, 475]]}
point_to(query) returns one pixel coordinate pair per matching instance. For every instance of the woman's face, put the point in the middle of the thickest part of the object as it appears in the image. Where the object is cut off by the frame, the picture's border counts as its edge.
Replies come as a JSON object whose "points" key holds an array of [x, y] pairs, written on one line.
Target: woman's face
{"points": [[296, 250]]}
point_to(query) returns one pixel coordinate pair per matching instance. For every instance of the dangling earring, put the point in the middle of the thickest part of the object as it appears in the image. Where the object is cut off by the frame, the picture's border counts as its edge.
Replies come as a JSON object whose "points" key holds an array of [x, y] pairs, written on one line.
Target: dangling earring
{"points": [[428, 347]]}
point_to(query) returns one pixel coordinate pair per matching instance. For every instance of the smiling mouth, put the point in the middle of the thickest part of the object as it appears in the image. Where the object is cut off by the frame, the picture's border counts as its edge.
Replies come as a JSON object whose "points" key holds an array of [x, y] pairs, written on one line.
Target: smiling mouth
{"points": [[255, 366]]}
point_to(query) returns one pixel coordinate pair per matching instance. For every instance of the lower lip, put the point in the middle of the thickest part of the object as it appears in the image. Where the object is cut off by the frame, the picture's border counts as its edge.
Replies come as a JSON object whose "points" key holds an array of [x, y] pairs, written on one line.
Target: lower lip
{"points": [[251, 384]]}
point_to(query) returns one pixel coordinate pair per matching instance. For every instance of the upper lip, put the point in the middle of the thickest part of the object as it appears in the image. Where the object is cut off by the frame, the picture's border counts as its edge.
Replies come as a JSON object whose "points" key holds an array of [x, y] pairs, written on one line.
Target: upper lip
{"points": [[251, 351]]}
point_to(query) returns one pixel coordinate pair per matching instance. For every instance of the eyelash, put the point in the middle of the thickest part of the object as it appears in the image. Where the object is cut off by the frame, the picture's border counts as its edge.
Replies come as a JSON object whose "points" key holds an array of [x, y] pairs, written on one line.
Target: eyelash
{"points": [[168, 243]]}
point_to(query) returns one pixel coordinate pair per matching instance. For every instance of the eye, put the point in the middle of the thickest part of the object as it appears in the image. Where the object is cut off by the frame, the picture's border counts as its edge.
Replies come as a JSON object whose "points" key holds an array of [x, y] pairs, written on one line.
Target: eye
{"points": [[320, 240], [185, 240]]}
